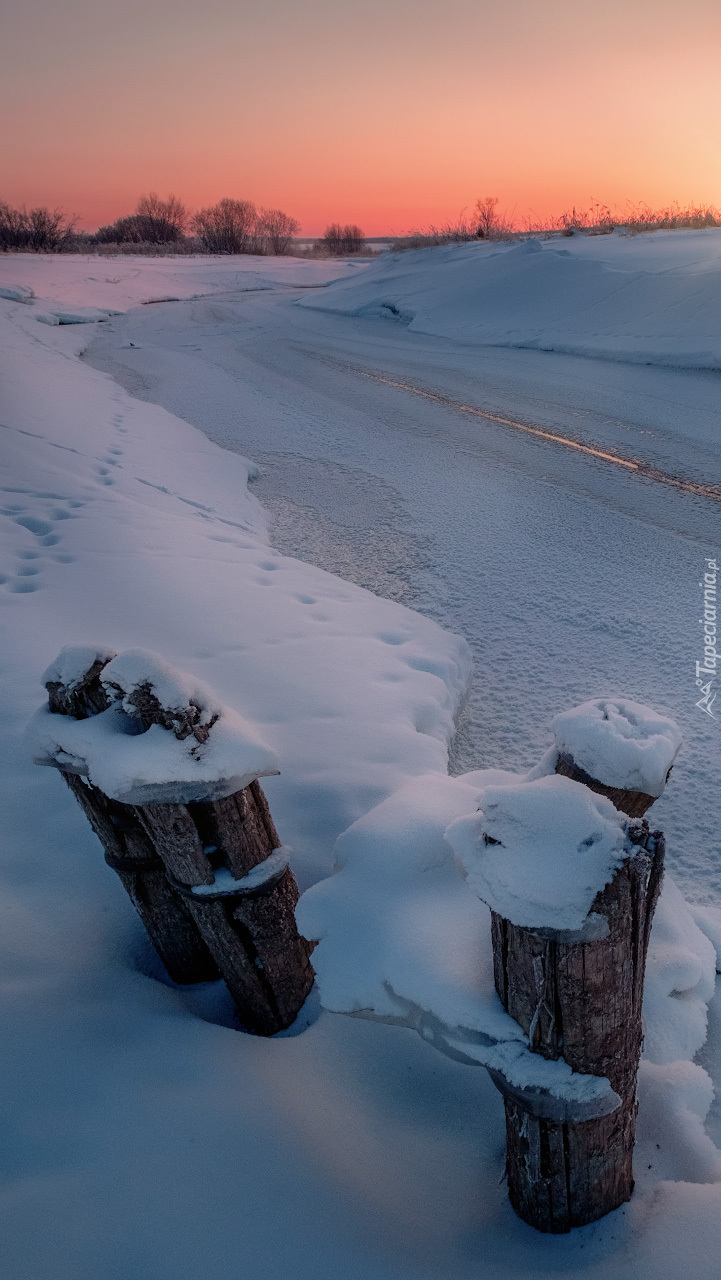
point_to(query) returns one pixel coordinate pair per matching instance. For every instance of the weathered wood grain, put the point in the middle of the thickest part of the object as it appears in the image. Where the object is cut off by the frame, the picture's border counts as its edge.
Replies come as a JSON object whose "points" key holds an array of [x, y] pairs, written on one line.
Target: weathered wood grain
{"points": [[163, 851], [580, 1001], [634, 803], [264, 961], [163, 911]]}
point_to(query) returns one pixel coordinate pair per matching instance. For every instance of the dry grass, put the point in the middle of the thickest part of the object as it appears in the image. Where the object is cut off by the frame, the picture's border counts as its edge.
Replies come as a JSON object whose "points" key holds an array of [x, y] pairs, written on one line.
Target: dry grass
{"points": [[596, 220], [633, 219]]}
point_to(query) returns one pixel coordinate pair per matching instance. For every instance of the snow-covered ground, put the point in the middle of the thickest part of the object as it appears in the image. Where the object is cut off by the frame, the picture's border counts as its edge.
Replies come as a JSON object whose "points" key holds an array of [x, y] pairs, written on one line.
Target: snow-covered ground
{"points": [[148, 1137]]}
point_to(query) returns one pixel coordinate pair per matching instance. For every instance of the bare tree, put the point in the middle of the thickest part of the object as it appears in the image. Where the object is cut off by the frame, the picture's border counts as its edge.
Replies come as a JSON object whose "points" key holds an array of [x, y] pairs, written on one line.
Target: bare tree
{"points": [[41, 230], [161, 221], [13, 228], [339, 241], [227, 227], [274, 231]]}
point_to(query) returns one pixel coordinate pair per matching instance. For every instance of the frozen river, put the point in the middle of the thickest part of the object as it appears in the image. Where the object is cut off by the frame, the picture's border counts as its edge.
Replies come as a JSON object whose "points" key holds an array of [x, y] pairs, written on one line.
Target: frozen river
{"points": [[569, 575]]}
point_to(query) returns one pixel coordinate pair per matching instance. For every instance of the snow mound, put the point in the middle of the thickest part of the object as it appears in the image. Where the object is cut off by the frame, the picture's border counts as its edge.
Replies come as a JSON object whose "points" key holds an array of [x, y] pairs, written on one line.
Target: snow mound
{"points": [[620, 743], [398, 930], [651, 299], [674, 1101], [708, 920], [680, 980], [539, 852], [401, 938]]}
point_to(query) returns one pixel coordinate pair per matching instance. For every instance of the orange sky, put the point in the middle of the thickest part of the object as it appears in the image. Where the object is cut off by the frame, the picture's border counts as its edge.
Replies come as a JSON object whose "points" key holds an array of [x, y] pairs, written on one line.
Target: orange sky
{"points": [[391, 113]]}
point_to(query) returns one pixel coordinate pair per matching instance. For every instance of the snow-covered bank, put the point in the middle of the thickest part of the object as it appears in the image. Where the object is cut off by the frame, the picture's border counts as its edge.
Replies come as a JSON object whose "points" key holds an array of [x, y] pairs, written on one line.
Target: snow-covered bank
{"points": [[89, 280], [649, 299], [124, 523], [146, 1143]]}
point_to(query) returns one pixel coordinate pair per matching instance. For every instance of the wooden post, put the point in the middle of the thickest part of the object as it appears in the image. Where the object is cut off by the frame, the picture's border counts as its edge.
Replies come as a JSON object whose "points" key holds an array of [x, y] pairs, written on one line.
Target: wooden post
{"points": [[634, 803], [619, 741], [223, 854], [128, 851], [580, 1000], [210, 849], [217, 862]]}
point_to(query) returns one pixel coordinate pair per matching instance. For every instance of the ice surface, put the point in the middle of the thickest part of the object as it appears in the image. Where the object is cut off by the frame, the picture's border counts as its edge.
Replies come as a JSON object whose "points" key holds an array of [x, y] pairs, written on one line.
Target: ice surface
{"points": [[539, 852], [17, 293], [620, 743], [88, 315]]}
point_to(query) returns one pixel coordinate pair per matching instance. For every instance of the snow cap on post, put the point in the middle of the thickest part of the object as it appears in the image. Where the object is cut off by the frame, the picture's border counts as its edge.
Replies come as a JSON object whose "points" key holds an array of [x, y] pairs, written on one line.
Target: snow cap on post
{"points": [[163, 737], [619, 743], [539, 852], [151, 690], [72, 680]]}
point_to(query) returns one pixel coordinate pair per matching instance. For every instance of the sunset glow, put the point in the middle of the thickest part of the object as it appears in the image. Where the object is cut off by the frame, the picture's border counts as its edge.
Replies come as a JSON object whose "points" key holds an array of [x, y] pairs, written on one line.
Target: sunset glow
{"points": [[391, 115]]}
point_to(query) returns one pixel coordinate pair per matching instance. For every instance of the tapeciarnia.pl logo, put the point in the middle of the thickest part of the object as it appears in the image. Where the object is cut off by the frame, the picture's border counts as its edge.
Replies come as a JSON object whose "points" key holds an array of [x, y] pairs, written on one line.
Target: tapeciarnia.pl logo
{"points": [[707, 671]]}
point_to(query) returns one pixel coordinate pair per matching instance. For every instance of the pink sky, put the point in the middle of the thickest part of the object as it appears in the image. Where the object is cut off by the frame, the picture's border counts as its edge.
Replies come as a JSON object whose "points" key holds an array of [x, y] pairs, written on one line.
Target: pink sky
{"points": [[391, 113]]}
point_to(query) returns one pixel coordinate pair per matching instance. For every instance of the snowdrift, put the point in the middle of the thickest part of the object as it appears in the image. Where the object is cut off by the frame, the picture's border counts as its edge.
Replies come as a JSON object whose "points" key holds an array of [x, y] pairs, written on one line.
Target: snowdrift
{"points": [[649, 299]]}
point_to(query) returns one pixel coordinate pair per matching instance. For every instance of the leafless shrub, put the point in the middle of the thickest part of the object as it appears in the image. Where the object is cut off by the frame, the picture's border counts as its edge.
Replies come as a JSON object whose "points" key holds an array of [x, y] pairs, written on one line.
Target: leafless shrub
{"points": [[274, 232], [160, 221], [123, 231], [39, 230], [490, 224], [13, 229], [227, 227], [341, 241]]}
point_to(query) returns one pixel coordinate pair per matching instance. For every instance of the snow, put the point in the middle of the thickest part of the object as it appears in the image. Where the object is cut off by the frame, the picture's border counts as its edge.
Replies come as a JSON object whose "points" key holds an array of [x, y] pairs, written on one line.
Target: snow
{"points": [[137, 670], [397, 928], [224, 882], [653, 298], [708, 920], [364, 1151], [620, 743], [73, 664], [538, 853], [83, 283], [153, 767], [401, 937], [121, 520], [680, 980]]}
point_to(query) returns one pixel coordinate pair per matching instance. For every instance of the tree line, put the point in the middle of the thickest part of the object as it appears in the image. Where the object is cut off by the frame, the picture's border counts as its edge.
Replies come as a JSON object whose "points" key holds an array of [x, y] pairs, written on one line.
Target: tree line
{"points": [[228, 227]]}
